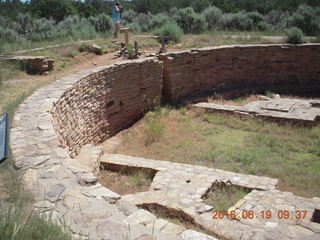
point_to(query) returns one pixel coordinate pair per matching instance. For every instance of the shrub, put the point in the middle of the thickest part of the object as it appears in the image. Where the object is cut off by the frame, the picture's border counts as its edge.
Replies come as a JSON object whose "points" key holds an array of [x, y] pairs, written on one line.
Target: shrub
{"points": [[306, 19], [294, 35], [212, 15], [102, 23], [237, 21], [262, 26], [173, 11], [171, 30], [190, 21], [9, 35], [128, 16], [143, 21], [277, 19], [154, 129], [84, 47], [159, 20], [258, 21], [135, 28], [43, 29]]}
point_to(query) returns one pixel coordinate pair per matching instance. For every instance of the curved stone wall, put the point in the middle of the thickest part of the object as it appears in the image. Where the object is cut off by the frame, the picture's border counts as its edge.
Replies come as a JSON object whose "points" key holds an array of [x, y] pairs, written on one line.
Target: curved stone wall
{"points": [[106, 101], [235, 70]]}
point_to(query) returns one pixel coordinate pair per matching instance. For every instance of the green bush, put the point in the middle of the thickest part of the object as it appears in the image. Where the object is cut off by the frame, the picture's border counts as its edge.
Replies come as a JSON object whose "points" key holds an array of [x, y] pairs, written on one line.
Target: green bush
{"points": [[154, 128], [135, 28], [84, 47], [102, 23], [159, 20], [143, 20], [190, 22], [294, 35], [128, 16], [277, 19], [307, 19], [9, 35], [237, 21], [212, 15], [171, 30]]}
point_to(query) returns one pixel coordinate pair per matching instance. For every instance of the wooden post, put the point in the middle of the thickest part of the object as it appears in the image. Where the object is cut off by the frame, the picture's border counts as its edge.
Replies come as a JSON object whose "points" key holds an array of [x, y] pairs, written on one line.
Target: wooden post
{"points": [[126, 35], [136, 48]]}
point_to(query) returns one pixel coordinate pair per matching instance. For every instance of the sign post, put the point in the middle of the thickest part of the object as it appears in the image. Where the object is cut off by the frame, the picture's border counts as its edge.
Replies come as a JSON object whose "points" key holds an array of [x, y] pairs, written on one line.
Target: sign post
{"points": [[4, 132]]}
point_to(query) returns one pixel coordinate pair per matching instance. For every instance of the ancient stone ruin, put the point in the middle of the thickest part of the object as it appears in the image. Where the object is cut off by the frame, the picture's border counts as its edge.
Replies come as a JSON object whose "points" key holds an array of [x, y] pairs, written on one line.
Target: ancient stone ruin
{"points": [[34, 64], [302, 112], [57, 130]]}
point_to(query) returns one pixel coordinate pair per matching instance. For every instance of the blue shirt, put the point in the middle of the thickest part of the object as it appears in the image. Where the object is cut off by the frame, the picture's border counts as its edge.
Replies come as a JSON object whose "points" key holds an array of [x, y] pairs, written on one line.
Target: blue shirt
{"points": [[115, 14]]}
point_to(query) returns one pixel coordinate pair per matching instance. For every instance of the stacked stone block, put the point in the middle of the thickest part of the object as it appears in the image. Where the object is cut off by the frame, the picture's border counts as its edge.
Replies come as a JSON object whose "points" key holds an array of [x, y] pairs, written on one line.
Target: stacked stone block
{"points": [[101, 104], [234, 70]]}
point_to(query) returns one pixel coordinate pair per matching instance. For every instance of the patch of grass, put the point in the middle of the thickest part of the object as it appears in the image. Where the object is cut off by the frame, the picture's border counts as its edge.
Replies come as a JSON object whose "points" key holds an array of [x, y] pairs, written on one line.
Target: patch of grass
{"points": [[8, 70], [72, 54], [221, 199], [84, 47], [16, 224], [250, 146], [269, 94], [125, 182], [154, 127], [140, 179]]}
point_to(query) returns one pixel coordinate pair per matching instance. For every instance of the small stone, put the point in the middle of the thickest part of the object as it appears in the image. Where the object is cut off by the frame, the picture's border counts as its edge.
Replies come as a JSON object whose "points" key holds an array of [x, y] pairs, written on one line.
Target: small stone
{"points": [[193, 235], [86, 179], [140, 217], [55, 192], [174, 229], [271, 224]]}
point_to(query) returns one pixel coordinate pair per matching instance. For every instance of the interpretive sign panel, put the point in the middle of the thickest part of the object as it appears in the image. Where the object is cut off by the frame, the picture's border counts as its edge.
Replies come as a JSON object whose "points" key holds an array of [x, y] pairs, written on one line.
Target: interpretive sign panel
{"points": [[4, 125]]}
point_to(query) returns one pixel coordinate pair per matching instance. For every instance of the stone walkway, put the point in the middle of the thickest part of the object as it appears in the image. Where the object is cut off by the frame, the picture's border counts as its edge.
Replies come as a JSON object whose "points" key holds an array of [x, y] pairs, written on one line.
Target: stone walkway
{"points": [[182, 188], [288, 110]]}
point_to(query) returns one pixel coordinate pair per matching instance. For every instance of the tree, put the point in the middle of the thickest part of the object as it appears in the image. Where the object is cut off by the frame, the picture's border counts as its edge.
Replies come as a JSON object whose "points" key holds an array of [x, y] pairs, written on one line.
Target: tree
{"points": [[57, 9], [84, 9]]}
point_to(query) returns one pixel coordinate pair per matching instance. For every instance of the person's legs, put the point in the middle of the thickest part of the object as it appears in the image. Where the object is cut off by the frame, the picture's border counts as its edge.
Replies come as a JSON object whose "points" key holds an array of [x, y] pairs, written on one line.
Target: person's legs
{"points": [[117, 29]]}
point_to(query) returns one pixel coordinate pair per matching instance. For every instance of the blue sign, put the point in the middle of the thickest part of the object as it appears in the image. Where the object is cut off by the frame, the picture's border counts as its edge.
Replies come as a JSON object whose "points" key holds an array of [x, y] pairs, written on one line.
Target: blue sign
{"points": [[4, 130]]}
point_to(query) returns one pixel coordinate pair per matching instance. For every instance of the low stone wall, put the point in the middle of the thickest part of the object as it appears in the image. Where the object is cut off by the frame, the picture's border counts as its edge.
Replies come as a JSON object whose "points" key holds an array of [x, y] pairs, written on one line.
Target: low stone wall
{"points": [[235, 70], [106, 101]]}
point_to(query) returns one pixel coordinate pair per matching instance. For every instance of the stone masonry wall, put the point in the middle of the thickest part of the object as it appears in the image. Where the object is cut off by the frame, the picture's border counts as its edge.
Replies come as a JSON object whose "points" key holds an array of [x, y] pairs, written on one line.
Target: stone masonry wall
{"points": [[107, 100], [236, 69], [104, 102]]}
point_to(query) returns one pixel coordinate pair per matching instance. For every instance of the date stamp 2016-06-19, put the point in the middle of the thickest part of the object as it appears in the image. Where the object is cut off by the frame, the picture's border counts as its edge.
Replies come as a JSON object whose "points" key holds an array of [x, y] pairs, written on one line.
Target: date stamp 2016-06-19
{"points": [[268, 214]]}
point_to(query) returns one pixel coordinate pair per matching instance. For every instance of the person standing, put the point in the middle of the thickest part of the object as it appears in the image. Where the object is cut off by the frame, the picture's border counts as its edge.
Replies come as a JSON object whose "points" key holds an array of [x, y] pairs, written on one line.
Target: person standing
{"points": [[116, 17]]}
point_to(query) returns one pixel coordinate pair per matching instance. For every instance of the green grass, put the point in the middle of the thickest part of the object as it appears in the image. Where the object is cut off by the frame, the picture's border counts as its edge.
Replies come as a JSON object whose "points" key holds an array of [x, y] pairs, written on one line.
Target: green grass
{"points": [[249, 146], [126, 181], [140, 179], [225, 197], [154, 127], [16, 225]]}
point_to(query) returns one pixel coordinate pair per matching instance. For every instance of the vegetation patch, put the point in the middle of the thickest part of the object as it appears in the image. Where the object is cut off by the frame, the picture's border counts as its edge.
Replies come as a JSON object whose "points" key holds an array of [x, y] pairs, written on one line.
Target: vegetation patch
{"points": [[294, 35], [125, 181], [16, 224], [249, 146], [222, 197]]}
